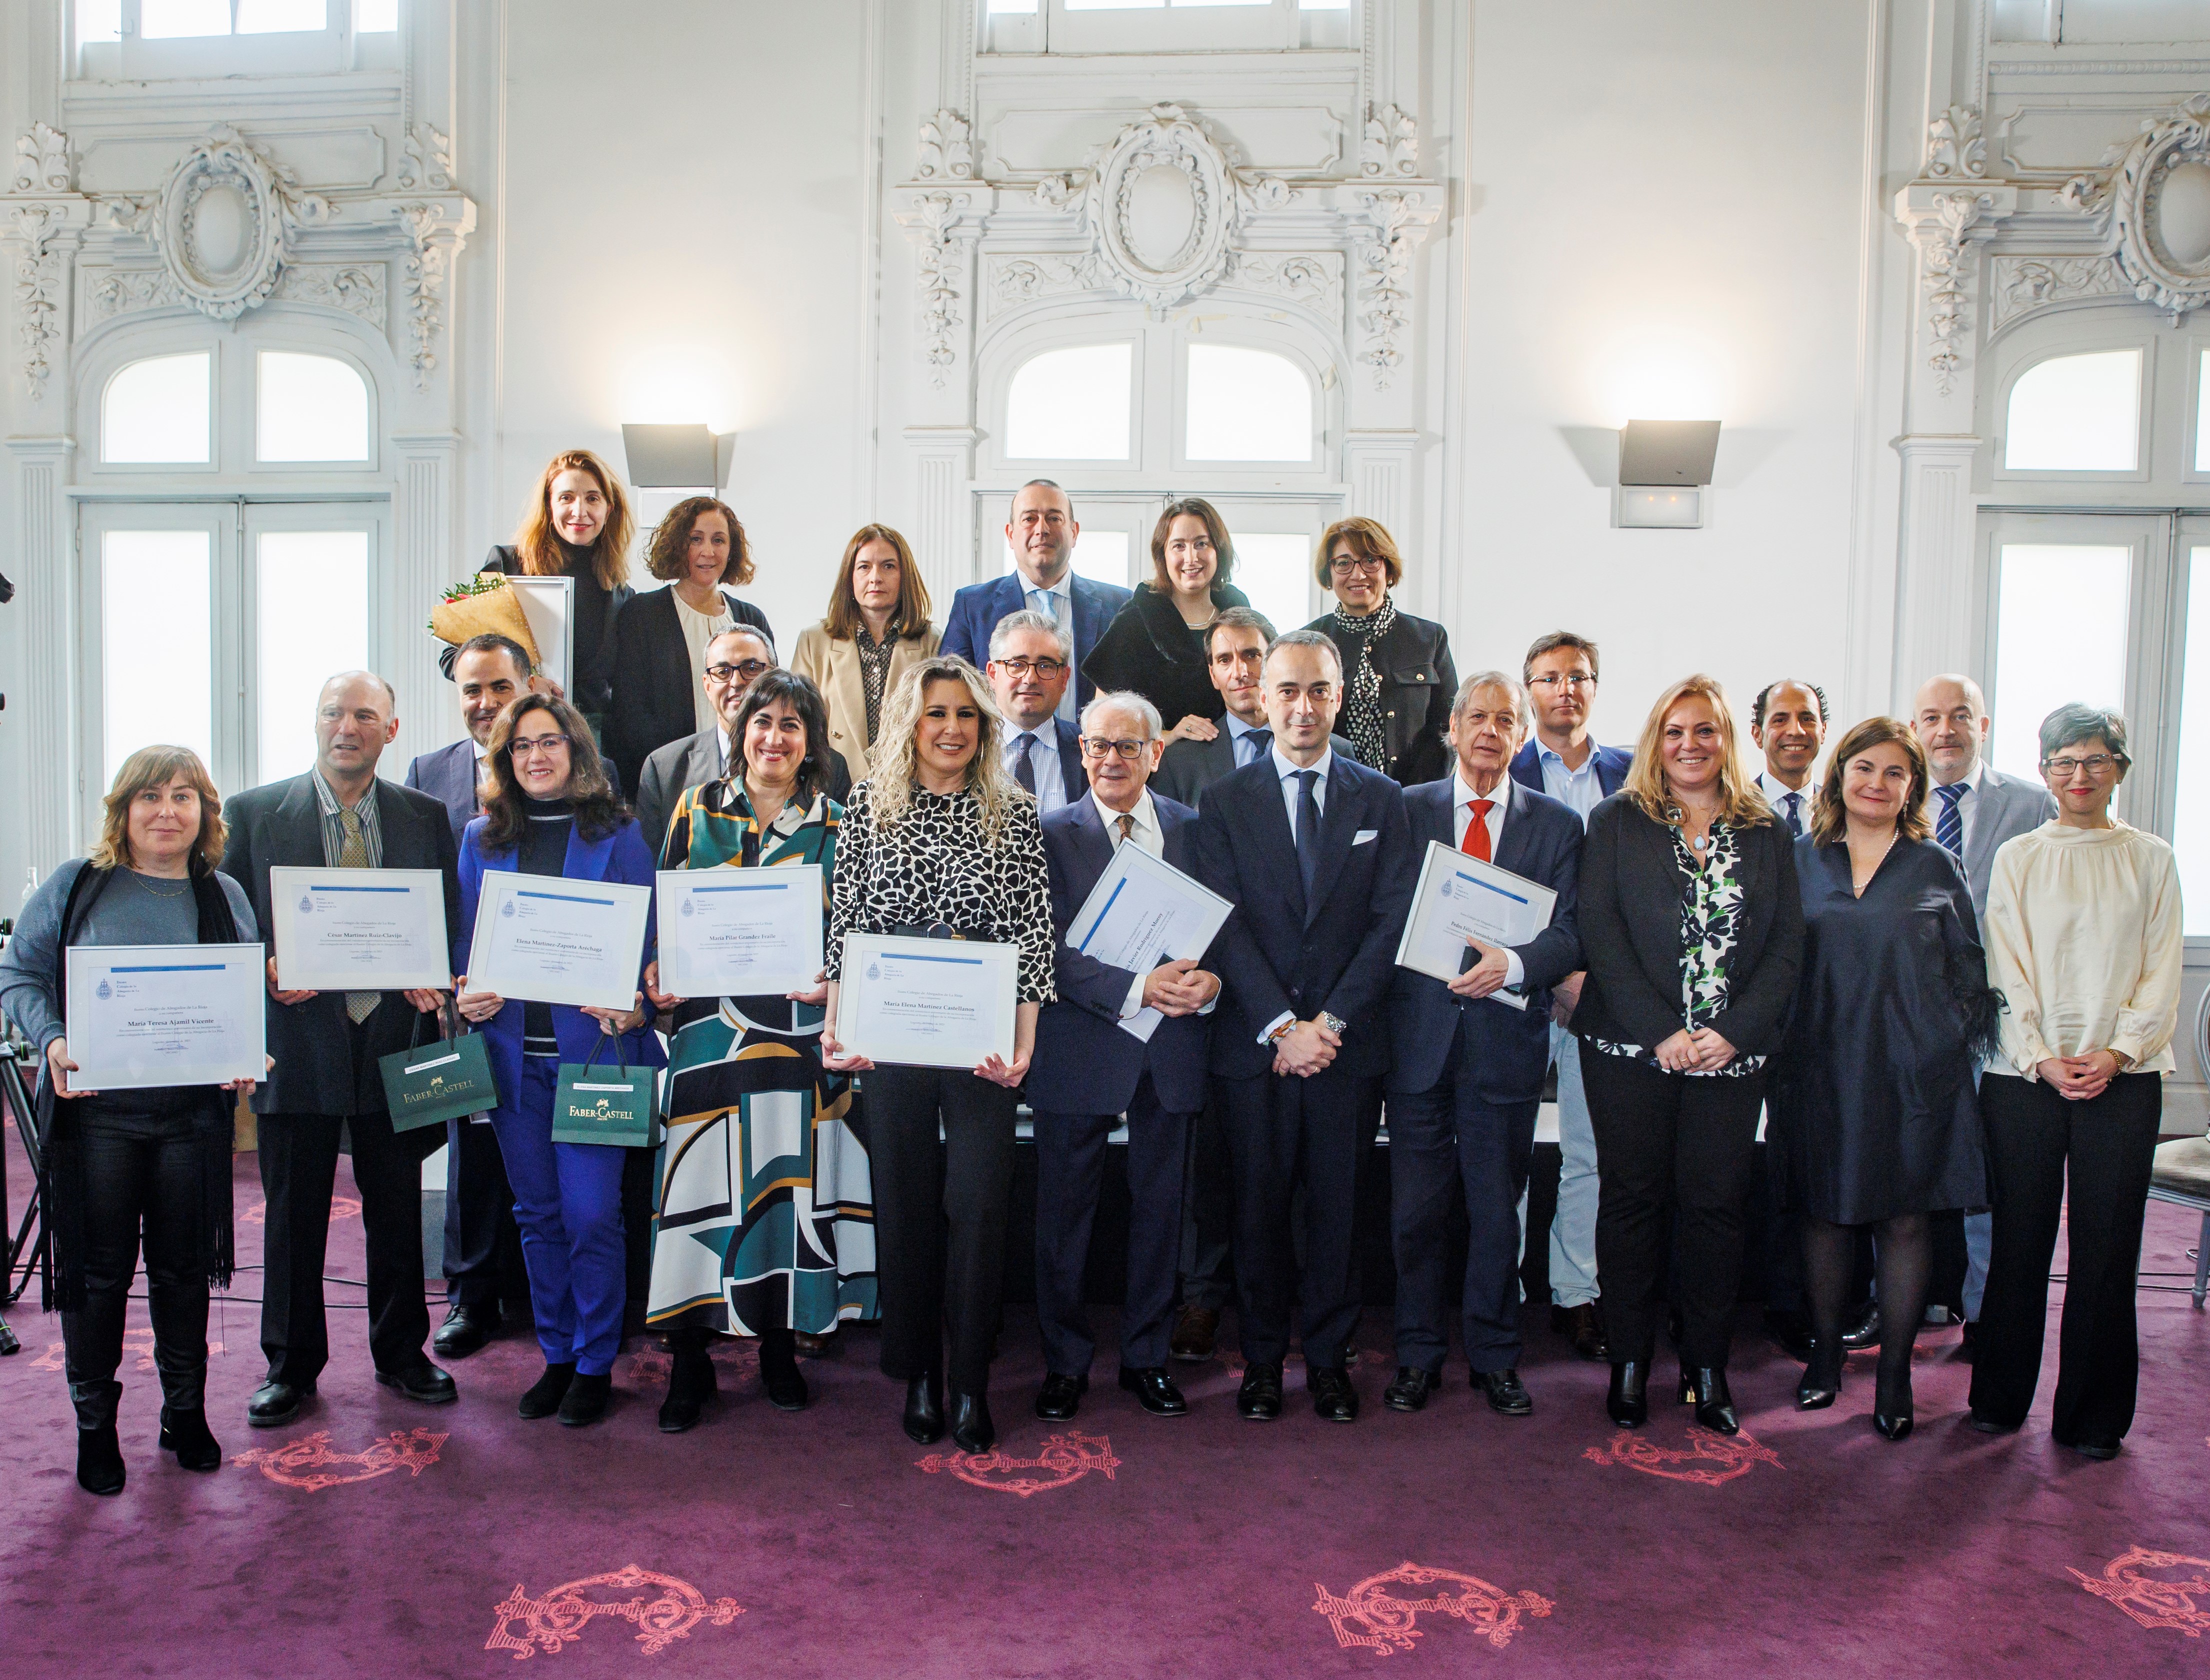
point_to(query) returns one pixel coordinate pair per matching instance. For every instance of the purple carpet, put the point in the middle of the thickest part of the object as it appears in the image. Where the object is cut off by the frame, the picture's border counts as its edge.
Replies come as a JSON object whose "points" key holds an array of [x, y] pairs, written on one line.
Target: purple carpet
{"points": [[379, 1538]]}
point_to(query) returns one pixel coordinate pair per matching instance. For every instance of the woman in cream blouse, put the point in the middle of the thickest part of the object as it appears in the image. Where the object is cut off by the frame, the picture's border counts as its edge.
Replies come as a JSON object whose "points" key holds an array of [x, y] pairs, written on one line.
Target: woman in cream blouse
{"points": [[2083, 938], [876, 630]]}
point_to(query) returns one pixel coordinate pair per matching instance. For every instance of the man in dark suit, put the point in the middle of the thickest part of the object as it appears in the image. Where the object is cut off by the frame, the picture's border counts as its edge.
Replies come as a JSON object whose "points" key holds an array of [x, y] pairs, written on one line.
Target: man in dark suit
{"points": [[1311, 848], [1466, 1077], [1563, 760], [325, 1080], [1087, 1071], [1042, 532], [483, 1265], [1029, 667]]}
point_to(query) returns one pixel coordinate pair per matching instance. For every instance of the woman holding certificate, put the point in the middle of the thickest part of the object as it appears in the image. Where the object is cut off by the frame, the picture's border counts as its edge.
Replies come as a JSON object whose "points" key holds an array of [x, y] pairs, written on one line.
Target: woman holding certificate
{"points": [[940, 845], [154, 1156], [549, 812], [763, 1197]]}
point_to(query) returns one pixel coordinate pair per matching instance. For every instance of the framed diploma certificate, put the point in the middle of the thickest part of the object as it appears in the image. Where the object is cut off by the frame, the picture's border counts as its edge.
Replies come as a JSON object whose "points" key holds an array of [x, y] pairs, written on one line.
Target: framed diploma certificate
{"points": [[739, 932], [544, 939], [1461, 898], [928, 1002], [167, 1015], [1142, 912], [359, 929]]}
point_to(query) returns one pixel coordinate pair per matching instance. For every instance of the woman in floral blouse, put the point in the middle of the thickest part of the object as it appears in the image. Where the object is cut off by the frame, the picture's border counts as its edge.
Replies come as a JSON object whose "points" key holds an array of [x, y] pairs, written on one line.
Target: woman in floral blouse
{"points": [[1694, 930]]}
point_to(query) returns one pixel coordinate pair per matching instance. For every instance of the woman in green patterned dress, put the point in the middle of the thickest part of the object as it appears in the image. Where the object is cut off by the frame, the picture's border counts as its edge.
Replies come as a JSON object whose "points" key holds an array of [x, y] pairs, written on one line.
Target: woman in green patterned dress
{"points": [[764, 1222]]}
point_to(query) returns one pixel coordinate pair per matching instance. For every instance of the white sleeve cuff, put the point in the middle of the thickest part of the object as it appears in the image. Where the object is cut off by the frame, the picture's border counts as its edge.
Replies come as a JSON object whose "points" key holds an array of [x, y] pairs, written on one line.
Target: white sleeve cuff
{"points": [[1515, 971], [1267, 1032], [1134, 1003]]}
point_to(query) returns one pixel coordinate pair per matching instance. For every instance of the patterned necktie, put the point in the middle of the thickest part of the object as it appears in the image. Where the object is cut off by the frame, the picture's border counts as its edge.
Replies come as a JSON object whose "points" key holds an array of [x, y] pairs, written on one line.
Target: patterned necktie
{"points": [[1260, 741], [353, 854], [1475, 841], [1308, 832], [1127, 822], [1024, 766], [1949, 827], [1043, 601], [1794, 813]]}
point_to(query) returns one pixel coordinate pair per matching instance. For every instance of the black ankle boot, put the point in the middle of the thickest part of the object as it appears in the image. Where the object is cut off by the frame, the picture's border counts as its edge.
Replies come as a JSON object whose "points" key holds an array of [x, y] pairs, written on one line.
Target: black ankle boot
{"points": [[98, 1454], [1628, 1402], [924, 1408], [1707, 1389], [689, 1386], [1822, 1375], [779, 1374], [186, 1434], [543, 1397], [971, 1426]]}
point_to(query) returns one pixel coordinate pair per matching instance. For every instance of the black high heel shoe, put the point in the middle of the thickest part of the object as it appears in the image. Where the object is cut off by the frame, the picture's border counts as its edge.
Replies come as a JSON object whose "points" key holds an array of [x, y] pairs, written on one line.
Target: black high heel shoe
{"points": [[1892, 1413], [924, 1408], [1628, 1401], [1822, 1375], [1707, 1390]]}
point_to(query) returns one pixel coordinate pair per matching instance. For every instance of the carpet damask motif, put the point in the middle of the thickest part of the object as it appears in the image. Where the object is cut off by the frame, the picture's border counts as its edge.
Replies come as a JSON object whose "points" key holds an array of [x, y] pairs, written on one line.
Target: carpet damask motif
{"points": [[557, 1620], [310, 1466], [1067, 1458], [2154, 1602], [1372, 1617], [1709, 1459]]}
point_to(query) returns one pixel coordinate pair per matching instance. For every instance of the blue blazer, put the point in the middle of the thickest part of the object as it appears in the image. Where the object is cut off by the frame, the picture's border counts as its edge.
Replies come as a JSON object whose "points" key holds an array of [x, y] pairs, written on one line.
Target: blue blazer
{"points": [[449, 776], [1278, 953], [976, 608], [1612, 764], [1509, 1049], [1072, 776], [620, 857], [1084, 1062]]}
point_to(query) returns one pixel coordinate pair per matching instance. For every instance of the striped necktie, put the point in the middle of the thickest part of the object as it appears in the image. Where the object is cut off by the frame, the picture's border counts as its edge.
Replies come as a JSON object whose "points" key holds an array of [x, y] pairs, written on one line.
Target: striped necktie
{"points": [[1949, 825]]}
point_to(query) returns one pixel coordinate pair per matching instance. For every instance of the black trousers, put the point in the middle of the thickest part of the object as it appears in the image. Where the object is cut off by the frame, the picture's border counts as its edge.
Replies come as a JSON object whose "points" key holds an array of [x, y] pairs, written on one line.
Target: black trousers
{"points": [[1070, 1169], [2106, 1146], [941, 1208], [1678, 1142], [1208, 1208], [1284, 1134], [298, 1165], [141, 1172], [1445, 1141], [483, 1263]]}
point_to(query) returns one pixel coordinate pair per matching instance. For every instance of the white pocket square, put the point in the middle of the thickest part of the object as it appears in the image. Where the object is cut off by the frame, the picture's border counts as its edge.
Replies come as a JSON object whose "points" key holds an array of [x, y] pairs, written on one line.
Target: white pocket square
{"points": [[1364, 835]]}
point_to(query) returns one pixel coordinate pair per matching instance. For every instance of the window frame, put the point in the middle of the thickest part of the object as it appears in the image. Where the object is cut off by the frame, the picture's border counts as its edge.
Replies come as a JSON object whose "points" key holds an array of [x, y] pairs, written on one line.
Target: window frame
{"points": [[1233, 334], [1180, 25], [209, 345], [2145, 437], [335, 49], [247, 416]]}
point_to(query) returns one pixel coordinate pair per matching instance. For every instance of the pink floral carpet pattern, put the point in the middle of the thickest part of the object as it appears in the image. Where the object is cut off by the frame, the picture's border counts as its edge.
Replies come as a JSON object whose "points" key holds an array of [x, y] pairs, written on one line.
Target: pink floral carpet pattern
{"points": [[311, 1465], [1709, 1459], [1064, 1459], [662, 1607], [1377, 1616], [2168, 1599]]}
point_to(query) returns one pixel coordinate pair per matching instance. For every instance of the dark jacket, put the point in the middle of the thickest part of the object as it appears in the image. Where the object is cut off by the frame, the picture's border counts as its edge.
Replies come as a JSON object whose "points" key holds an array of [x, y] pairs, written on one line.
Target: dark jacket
{"points": [[449, 776], [1278, 953], [1084, 1062], [692, 761], [1418, 683], [1510, 1048], [1631, 887], [1188, 767], [976, 608], [281, 824], [596, 610], [1612, 764], [654, 687], [1148, 649]]}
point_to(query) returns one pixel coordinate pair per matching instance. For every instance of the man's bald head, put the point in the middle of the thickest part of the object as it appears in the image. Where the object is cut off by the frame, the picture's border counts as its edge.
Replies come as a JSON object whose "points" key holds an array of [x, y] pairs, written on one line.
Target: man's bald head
{"points": [[1950, 718]]}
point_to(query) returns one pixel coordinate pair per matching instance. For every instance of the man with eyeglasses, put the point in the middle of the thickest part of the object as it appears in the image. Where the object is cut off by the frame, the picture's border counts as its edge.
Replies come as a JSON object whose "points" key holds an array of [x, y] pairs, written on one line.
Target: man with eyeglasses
{"points": [[1564, 760], [1031, 663], [1041, 534], [1088, 1070]]}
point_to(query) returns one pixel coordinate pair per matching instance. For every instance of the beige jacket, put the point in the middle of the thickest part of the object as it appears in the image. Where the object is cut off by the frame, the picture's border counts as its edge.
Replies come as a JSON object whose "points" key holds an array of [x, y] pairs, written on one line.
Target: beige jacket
{"points": [[833, 667]]}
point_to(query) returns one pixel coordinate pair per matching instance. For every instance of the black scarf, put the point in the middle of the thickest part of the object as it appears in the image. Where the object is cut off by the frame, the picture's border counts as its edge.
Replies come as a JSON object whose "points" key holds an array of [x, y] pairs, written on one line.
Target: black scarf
{"points": [[1363, 723], [63, 1146]]}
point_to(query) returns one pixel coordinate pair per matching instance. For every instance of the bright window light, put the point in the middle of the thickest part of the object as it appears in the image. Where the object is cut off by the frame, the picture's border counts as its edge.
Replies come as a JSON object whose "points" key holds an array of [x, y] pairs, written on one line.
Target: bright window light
{"points": [[167, 20], [1323, 5], [271, 17], [1274, 569], [2076, 414], [1101, 556], [157, 411], [311, 408], [375, 17], [98, 22], [2060, 637], [2190, 816], [311, 595], [2202, 416], [1071, 405], [1247, 404], [1010, 8], [156, 614]]}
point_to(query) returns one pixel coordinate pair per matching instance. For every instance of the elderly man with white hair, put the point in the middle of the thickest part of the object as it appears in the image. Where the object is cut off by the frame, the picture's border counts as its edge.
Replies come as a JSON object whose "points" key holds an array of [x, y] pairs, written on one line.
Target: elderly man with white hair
{"points": [[1088, 1072]]}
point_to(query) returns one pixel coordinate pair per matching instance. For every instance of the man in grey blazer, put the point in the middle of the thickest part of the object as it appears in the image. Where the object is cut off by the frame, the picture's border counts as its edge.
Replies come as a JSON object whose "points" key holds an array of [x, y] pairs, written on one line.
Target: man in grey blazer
{"points": [[1975, 808]]}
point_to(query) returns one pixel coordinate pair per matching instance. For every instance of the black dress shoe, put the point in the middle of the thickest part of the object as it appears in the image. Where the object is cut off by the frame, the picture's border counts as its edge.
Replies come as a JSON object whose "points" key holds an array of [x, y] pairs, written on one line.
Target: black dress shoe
{"points": [[924, 1408], [1822, 1376], [1154, 1390], [689, 1385], [779, 1372], [1259, 1398], [187, 1435], [1791, 1330], [424, 1382], [1409, 1392], [1629, 1401], [465, 1330], [1865, 1333], [972, 1431], [1583, 1326], [1333, 1397], [1892, 1409], [1195, 1333], [1707, 1389], [99, 1461], [2094, 1446], [1060, 1397], [587, 1399], [543, 1397], [1987, 1425], [1507, 1393], [275, 1404]]}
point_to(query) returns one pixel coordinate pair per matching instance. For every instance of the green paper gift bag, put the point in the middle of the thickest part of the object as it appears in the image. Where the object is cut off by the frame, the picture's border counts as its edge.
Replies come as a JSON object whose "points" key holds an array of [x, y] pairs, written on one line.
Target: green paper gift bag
{"points": [[426, 1085], [604, 1103]]}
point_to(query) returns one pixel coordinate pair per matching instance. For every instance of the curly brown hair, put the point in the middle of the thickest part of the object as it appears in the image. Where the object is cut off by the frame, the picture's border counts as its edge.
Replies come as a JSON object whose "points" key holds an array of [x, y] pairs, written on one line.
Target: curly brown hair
{"points": [[664, 554], [157, 766], [599, 808]]}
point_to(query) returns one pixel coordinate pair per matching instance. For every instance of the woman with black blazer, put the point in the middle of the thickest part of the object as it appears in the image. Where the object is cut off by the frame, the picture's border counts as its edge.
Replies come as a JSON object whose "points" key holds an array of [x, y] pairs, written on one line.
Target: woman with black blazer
{"points": [[658, 668], [1155, 645], [1397, 676], [1692, 927]]}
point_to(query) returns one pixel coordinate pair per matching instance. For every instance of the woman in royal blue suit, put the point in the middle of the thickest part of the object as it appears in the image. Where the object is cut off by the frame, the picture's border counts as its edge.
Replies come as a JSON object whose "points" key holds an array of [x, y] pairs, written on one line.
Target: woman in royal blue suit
{"points": [[549, 810]]}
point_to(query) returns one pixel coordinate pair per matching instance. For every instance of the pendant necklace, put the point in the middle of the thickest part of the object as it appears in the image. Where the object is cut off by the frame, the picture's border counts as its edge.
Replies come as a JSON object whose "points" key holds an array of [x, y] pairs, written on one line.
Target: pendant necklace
{"points": [[1679, 818]]}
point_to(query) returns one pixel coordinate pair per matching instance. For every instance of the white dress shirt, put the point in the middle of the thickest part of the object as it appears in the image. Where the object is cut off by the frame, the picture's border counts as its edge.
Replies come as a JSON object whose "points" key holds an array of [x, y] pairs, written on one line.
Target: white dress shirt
{"points": [[1778, 794], [1579, 788], [1057, 604], [699, 629], [1043, 764], [1146, 834], [1288, 773], [1967, 806], [1500, 801], [1247, 751]]}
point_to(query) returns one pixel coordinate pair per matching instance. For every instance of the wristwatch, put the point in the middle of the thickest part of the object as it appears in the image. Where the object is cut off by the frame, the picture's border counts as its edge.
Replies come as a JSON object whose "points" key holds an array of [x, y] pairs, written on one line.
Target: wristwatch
{"points": [[1335, 1024]]}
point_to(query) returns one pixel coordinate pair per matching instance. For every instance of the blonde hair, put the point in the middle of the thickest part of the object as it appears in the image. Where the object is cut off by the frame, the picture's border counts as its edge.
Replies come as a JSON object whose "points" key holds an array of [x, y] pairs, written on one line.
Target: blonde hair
{"points": [[538, 541], [1740, 804], [157, 766], [895, 768], [1830, 818]]}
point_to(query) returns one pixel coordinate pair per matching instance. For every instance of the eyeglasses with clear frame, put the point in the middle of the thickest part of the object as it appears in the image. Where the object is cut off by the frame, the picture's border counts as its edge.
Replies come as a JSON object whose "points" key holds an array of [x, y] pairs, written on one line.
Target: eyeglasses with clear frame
{"points": [[1096, 746]]}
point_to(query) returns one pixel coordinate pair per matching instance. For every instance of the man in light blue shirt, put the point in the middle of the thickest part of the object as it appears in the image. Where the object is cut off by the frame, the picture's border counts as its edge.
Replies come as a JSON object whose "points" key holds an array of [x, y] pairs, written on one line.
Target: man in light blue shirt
{"points": [[1031, 663]]}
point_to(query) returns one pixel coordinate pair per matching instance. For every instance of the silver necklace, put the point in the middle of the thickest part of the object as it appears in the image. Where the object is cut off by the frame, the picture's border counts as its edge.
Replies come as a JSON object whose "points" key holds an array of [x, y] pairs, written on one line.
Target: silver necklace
{"points": [[1679, 819], [146, 884]]}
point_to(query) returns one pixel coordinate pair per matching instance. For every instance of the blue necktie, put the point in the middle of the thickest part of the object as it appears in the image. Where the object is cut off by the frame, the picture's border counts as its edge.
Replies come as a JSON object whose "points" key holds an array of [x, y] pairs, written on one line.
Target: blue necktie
{"points": [[1256, 740], [1794, 813], [1024, 768], [1949, 827], [1308, 832]]}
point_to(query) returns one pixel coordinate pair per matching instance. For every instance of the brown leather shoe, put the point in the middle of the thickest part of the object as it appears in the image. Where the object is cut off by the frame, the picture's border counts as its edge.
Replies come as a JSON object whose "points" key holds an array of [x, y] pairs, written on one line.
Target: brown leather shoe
{"points": [[1583, 1326], [1195, 1332], [816, 1347]]}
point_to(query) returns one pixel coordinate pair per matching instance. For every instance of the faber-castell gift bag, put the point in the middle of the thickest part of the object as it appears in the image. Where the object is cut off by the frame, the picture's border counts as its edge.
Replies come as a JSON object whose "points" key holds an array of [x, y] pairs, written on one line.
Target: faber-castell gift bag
{"points": [[604, 1102], [450, 1079]]}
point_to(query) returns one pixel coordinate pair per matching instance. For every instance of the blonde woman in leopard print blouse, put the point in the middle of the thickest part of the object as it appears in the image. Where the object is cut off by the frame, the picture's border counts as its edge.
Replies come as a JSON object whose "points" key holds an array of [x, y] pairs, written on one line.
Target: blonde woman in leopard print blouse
{"points": [[939, 836]]}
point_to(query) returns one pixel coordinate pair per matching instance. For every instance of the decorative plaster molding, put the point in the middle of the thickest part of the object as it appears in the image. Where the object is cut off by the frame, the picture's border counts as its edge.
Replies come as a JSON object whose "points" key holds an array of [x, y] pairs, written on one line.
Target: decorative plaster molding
{"points": [[2129, 188], [1957, 146], [1398, 217], [274, 208], [1945, 222], [423, 279], [1391, 145], [426, 165], [42, 160], [1013, 278], [39, 276], [126, 291], [1311, 278], [930, 223], [1200, 170], [2020, 286], [358, 288], [947, 149]]}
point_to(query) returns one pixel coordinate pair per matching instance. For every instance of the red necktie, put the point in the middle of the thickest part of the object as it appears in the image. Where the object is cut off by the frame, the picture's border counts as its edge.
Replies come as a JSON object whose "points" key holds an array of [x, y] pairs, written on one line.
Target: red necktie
{"points": [[1476, 843]]}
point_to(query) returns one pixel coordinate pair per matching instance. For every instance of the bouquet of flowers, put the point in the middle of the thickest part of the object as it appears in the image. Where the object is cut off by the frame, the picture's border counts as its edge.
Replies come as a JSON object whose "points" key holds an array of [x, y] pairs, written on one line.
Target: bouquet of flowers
{"points": [[481, 606]]}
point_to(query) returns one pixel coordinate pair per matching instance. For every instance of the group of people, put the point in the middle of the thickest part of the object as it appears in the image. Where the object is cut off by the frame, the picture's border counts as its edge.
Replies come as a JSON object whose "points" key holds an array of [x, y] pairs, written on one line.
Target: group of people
{"points": [[1943, 989]]}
